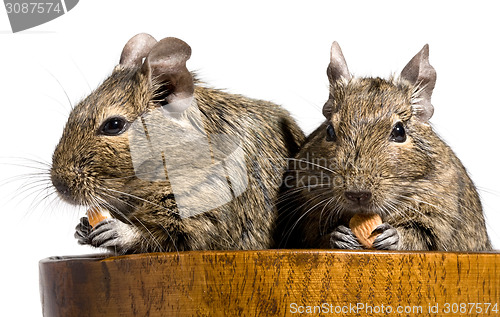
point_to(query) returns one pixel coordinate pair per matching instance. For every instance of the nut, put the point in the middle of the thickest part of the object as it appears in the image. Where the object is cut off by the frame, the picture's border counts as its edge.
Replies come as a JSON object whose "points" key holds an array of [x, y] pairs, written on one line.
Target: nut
{"points": [[97, 215], [362, 225]]}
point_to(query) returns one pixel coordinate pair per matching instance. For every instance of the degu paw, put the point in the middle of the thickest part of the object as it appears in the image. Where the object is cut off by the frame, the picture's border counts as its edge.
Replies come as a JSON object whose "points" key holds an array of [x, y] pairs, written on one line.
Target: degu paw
{"points": [[343, 238], [109, 233], [388, 239], [82, 231]]}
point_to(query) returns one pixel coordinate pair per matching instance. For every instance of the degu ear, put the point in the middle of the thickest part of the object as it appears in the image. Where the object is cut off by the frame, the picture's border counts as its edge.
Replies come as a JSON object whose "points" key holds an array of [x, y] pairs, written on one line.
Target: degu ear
{"points": [[337, 70], [137, 48], [166, 68], [423, 76]]}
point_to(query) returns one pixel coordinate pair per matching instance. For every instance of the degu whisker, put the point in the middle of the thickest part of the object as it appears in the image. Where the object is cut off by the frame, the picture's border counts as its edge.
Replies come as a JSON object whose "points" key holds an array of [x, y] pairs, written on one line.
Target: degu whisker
{"points": [[313, 164], [290, 231], [134, 196], [156, 244]]}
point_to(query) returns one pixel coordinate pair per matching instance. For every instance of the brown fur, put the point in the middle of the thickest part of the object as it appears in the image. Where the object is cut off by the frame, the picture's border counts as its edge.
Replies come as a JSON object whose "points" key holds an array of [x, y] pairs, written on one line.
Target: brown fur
{"points": [[419, 187], [96, 170]]}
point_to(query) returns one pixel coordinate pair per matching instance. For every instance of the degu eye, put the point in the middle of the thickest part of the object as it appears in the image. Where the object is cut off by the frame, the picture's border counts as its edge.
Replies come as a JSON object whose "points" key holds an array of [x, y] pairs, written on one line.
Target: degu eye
{"points": [[330, 133], [113, 126], [398, 133]]}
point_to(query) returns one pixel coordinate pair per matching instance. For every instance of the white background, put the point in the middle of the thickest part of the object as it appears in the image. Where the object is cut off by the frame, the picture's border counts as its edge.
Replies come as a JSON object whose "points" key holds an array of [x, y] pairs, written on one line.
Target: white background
{"points": [[277, 51]]}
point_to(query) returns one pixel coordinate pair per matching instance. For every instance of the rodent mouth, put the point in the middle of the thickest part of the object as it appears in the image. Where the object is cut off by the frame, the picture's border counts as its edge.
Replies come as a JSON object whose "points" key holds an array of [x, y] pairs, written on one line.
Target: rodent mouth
{"points": [[361, 209], [85, 199], [78, 189], [355, 208], [359, 201], [66, 195]]}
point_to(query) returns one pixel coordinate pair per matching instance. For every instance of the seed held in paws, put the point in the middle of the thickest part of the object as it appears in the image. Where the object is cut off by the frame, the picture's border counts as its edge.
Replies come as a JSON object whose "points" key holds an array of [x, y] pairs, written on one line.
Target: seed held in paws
{"points": [[362, 225], [96, 215]]}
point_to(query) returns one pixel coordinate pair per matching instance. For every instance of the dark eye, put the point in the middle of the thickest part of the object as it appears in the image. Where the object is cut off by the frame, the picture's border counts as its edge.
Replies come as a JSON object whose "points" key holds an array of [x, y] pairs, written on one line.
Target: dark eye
{"points": [[330, 133], [113, 126], [398, 133]]}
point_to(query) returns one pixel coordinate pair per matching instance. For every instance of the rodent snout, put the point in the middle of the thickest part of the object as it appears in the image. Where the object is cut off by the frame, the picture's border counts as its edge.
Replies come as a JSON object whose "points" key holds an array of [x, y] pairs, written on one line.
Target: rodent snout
{"points": [[359, 197], [63, 181], [60, 185]]}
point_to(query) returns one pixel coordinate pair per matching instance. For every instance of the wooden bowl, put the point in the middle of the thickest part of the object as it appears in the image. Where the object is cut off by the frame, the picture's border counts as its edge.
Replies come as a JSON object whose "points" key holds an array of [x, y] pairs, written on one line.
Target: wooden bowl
{"points": [[270, 283]]}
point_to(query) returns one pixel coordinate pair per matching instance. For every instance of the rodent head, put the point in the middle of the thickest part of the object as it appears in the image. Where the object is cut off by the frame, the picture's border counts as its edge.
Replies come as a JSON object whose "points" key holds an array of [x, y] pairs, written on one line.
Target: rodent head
{"points": [[92, 163], [377, 137]]}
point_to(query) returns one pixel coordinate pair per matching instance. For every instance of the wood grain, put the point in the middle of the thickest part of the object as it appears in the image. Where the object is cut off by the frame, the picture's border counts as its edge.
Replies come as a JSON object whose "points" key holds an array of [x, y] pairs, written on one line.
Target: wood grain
{"points": [[271, 283]]}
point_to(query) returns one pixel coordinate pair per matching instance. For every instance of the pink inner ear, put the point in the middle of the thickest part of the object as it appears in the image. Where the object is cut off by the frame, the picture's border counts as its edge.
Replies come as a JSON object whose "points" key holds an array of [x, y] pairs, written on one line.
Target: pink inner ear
{"points": [[419, 72], [166, 63], [338, 67], [136, 49], [336, 70]]}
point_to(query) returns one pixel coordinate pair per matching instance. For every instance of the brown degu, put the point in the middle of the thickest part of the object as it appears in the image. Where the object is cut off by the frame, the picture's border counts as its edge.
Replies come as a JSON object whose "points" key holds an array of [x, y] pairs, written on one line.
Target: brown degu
{"points": [[377, 154], [178, 165]]}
